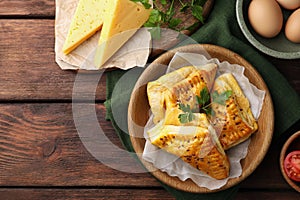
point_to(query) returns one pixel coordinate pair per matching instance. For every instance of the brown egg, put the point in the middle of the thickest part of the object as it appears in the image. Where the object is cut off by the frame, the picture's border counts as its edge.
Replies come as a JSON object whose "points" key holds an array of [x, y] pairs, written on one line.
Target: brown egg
{"points": [[292, 27], [265, 17], [289, 4]]}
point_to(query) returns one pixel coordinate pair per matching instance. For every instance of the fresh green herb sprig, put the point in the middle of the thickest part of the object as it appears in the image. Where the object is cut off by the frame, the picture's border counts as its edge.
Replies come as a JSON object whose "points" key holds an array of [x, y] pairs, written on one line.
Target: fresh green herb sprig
{"points": [[188, 114], [159, 18], [146, 3], [204, 104], [197, 9], [204, 101]]}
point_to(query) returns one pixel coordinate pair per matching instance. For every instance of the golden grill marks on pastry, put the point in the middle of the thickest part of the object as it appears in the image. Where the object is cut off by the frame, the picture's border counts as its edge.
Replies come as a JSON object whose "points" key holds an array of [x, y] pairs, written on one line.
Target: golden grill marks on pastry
{"points": [[234, 121], [199, 141], [156, 91], [180, 86], [193, 144], [185, 91]]}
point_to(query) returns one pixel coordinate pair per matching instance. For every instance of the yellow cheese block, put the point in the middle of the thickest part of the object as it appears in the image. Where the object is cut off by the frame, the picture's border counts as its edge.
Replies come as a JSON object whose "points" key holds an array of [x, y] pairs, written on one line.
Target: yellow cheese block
{"points": [[121, 20], [87, 20]]}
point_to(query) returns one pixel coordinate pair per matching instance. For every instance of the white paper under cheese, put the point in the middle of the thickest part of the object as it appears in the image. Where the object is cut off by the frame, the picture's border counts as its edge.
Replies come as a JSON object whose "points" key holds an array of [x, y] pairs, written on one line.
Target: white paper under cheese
{"points": [[82, 56]]}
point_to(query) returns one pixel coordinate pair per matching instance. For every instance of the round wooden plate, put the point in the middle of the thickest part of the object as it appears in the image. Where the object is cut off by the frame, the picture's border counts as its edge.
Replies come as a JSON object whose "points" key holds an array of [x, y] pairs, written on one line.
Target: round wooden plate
{"points": [[138, 113]]}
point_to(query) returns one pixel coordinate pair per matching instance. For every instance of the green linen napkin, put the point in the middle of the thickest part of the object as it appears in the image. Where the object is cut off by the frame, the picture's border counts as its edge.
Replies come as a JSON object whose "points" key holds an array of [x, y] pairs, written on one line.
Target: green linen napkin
{"points": [[221, 28]]}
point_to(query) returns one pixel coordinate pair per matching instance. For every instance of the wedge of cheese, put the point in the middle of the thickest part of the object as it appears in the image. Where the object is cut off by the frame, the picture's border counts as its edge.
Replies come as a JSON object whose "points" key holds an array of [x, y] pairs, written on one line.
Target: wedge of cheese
{"points": [[122, 18], [87, 20]]}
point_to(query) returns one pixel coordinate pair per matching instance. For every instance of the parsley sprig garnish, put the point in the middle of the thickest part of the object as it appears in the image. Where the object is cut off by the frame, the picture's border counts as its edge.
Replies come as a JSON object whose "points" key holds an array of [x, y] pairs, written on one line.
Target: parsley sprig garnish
{"points": [[159, 18], [204, 102], [146, 3], [188, 114]]}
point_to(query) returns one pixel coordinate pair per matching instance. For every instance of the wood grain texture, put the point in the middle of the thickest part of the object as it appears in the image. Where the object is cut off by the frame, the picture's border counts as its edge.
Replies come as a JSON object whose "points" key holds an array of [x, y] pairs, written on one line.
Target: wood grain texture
{"points": [[267, 195], [40, 146], [41, 153], [134, 194], [28, 70], [189, 24], [28, 8], [186, 16], [84, 194]]}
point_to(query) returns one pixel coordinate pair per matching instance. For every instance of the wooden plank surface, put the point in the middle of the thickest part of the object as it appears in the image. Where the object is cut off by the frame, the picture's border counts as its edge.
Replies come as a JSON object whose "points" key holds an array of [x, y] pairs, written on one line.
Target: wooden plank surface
{"points": [[127, 193], [84, 194], [28, 8], [28, 70], [40, 150], [268, 195], [39, 146]]}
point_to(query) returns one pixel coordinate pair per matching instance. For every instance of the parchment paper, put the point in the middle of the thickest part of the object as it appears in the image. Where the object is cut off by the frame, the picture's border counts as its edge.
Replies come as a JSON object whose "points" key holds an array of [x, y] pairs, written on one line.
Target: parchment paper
{"points": [[174, 166], [135, 52]]}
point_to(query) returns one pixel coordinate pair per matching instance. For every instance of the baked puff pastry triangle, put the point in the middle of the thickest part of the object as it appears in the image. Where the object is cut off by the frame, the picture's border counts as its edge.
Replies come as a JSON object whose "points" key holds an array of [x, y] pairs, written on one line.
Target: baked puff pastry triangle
{"points": [[180, 86], [156, 90], [234, 121], [195, 145]]}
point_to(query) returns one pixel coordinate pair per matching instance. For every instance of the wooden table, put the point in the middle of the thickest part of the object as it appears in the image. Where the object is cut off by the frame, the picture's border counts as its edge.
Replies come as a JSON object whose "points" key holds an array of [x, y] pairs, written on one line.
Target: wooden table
{"points": [[41, 155]]}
